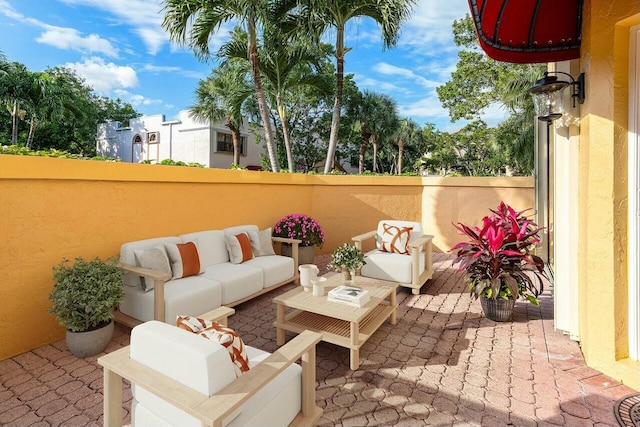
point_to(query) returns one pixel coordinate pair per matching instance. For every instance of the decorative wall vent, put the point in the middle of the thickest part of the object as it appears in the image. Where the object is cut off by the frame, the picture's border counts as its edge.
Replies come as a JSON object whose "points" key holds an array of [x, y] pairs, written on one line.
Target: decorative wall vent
{"points": [[153, 137]]}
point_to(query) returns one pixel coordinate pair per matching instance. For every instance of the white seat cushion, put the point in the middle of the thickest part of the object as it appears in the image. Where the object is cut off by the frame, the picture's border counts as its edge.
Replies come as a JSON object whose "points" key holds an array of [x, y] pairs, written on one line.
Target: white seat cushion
{"points": [[275, 268], [192, 363], [201, 364], [237, 280], [189, 296], [390, 266]]}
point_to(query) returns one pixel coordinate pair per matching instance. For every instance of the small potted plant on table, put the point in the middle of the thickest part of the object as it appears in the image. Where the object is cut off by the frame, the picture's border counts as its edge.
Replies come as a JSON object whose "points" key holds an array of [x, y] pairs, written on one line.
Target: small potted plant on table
{"points": [[498, 262], [347, 259], [304, 228], [84, 297]]}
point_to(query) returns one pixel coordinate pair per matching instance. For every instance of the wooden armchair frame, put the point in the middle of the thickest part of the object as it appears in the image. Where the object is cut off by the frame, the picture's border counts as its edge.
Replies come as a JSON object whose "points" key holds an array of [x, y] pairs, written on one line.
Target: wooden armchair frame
{"points": [[212, 411], [159, 279], [422, 245]]}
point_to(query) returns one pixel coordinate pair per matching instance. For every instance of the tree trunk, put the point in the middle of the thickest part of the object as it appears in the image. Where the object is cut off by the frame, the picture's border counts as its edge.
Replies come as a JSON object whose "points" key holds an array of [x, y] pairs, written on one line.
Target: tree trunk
{"points": [[337, 106], [14, 123], [363, 151], [400, 154], [32, 131], [236, 138], [285, 133], [262, 102], [374, 143]]}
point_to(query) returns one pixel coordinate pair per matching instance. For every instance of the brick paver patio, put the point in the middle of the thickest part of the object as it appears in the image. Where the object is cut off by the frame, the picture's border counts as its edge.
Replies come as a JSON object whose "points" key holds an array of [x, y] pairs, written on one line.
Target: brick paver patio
{"points": [[443, 364]]}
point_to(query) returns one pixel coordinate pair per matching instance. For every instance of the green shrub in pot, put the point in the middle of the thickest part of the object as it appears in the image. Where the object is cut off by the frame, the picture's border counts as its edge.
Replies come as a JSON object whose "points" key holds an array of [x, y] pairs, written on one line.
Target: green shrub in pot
{"points": [[86, 293]]}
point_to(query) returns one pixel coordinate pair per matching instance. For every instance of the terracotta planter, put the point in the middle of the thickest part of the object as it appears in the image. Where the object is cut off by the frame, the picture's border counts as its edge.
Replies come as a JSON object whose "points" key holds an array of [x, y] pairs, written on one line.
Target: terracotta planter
{"points": [[90, 343], [498, 310], [305, 253]]}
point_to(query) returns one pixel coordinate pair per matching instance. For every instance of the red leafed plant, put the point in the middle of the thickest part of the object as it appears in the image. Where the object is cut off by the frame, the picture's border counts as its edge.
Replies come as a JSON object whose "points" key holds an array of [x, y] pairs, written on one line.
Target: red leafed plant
{"points": [[497, 259]]}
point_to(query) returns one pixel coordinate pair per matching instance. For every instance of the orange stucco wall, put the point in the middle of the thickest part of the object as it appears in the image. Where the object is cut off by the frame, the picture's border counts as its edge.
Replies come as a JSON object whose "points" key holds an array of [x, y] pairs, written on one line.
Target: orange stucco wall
{"points": [[55, 208], [603, 288]]}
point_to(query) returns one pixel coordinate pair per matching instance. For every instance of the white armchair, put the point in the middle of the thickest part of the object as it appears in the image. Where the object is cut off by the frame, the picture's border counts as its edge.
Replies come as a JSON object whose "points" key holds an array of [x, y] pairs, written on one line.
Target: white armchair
{"points": [[410, 269], [181, 379]]}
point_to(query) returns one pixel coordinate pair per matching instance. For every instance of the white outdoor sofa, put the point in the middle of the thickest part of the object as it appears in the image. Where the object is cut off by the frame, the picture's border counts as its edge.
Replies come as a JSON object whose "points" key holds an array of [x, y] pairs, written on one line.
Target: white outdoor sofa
{"points": [[181, 379], [221, 282]]}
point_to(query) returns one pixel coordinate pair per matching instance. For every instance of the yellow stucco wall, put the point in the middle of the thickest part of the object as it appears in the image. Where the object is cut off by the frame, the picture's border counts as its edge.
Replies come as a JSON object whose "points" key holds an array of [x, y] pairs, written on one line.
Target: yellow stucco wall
{"points": [[55, 208], [603, 288]]}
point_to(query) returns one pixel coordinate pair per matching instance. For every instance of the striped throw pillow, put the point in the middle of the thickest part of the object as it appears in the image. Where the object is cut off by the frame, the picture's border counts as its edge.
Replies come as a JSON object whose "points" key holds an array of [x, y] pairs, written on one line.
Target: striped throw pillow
{"points": [[224, 335]]}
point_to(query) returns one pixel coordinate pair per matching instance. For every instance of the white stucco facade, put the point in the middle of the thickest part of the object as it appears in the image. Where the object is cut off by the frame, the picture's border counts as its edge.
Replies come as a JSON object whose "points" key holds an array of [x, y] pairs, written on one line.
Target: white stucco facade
{"points": [[185, 139]]}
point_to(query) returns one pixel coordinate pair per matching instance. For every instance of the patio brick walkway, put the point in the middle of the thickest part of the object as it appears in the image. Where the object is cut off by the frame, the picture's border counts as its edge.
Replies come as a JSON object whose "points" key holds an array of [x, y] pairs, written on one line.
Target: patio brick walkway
{"points": [[443, 364]]}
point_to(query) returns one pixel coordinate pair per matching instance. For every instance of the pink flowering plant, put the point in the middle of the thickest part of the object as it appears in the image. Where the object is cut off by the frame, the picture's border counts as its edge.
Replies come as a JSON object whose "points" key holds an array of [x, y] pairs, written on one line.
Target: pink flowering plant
{"points": [[497, 258], [302, 227]]}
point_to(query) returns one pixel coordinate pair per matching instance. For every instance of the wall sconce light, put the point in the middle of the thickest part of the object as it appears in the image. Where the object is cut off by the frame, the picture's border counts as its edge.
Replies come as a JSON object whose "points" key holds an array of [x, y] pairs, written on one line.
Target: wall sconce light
{"points": [[547, 95]]}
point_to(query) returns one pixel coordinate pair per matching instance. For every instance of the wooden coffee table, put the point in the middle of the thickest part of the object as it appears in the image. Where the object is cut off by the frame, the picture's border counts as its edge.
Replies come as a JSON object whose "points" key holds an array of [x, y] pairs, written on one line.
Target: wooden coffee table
{"points": [[340, 324]]}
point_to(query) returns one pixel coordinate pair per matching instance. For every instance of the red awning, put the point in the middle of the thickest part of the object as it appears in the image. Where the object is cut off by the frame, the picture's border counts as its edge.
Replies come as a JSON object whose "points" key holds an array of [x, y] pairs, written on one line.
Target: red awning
{"points": [[528, 31]]}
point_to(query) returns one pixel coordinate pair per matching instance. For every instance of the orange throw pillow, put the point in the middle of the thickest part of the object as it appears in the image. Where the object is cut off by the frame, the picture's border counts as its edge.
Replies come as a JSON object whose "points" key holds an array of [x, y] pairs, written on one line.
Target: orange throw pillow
{"points": [[185, 260], [239, 247], [245, 246]]}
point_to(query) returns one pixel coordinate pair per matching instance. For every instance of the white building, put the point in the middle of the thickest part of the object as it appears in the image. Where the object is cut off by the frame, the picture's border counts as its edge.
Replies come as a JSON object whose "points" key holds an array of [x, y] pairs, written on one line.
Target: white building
{"points": [[155, 139]]}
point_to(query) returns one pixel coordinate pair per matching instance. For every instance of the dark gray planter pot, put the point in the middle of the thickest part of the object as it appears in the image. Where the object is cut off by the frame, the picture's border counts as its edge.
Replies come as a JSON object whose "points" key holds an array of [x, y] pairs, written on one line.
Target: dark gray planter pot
{"points": [[305, 253], [499, 310], [86, 344]]}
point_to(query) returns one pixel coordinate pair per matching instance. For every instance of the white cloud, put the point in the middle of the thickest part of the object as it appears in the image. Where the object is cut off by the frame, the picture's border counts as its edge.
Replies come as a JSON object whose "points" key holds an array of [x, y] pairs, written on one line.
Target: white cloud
{"points": [[426, 109], [429, 29], [392, 70], [158, 69], [493, 114], [143, 15], [161, 68], [145, 18], [135, 99], [70, 39], [62, 37], [105, 77], [364, 82]]}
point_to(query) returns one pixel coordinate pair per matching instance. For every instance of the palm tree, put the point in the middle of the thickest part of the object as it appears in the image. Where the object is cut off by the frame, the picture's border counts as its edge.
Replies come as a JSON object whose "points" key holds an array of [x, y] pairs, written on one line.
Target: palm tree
{"points": [[192, 22], [15, 83], [220, 97], [286, 63], [324, 14], [523, 119], [375, 117], [408, 132], [42, 101]]}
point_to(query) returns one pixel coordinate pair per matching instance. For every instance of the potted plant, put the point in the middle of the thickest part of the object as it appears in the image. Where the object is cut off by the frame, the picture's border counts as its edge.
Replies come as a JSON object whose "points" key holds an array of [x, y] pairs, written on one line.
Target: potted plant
{"points": [[498, 262], [85, 295], [304, 228], [347, 258]]}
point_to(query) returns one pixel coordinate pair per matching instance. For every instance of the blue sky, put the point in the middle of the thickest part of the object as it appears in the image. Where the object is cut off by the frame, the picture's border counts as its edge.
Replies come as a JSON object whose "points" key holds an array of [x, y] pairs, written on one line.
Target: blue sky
{"points": [[121, 50]]}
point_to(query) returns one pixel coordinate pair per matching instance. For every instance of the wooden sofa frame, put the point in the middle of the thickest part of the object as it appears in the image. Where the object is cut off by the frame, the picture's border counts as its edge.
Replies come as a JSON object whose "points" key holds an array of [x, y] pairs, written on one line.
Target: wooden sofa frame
{"points": [[212, 411], [159, 279], [422, 244]]}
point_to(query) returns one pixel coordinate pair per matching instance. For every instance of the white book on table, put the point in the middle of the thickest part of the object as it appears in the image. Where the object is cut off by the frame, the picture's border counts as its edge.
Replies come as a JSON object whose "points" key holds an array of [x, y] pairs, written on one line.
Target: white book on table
{"points": [[349, 295]]}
